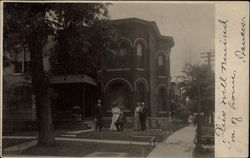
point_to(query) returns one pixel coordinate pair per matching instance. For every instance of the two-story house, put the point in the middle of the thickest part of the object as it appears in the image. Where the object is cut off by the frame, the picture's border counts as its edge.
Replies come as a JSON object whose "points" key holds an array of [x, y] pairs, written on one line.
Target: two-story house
{"points": [[137, 70]]}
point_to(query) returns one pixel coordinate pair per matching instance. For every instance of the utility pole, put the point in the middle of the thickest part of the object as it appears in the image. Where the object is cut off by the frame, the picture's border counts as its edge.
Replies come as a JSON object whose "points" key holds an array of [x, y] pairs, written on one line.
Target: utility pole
{"points": [[198, 145], [209, 57]]}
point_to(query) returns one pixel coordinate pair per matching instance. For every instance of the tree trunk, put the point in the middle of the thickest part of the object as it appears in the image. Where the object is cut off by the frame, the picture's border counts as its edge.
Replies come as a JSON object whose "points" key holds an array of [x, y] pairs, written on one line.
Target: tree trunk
{"points": [[41, 89]]}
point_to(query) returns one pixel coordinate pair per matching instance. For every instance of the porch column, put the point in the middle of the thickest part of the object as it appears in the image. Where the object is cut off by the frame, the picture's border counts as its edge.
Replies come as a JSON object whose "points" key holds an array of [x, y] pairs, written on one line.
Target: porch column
{"points": [[83, 101], [33, 102]]}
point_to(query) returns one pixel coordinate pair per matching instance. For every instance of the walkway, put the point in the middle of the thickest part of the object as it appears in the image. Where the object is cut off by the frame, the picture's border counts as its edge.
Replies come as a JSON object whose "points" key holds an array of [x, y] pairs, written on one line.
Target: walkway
{"points": [[178, 145]]}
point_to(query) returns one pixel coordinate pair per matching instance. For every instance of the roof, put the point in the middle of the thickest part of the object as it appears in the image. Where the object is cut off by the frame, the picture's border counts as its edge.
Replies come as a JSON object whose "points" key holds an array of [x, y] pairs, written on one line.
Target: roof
{"points": [[62, 79], [149, 23]]}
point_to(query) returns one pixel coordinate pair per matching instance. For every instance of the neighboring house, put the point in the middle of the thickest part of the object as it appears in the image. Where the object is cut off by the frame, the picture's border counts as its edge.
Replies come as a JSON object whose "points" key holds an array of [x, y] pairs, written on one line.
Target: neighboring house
{"points": [[138, 69]]}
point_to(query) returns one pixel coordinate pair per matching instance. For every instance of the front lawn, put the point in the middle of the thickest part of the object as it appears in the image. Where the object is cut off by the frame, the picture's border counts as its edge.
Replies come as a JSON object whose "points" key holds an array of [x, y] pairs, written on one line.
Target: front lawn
{"points": [[12, 142], [66, 148], [116, 135]]}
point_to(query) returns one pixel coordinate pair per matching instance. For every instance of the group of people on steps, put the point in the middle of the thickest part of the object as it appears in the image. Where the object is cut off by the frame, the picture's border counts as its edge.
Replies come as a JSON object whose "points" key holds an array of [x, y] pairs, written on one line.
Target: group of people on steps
{"points": [[119, 119]]}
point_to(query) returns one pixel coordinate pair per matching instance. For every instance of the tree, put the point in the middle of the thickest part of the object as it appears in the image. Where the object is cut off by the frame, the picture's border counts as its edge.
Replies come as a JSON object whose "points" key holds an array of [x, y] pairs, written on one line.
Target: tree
{"points": [[198, 78], [88, 38], [27, 27]]}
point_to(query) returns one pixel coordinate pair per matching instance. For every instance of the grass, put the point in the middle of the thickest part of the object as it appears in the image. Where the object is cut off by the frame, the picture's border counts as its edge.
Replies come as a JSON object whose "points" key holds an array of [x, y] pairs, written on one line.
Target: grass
{"points": [[12, 142], [77, 149], [20, 133]]}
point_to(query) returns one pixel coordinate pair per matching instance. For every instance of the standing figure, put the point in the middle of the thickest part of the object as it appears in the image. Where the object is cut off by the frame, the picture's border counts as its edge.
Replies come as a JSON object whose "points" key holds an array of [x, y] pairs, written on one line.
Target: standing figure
{"points": [[137, 124], [120, 122], [143, 116], [115, 115], [98, 115]]}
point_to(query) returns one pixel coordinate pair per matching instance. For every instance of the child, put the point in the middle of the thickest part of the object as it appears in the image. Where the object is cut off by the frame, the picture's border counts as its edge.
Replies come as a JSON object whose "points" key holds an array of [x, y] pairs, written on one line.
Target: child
{"points": [[120, 121]]}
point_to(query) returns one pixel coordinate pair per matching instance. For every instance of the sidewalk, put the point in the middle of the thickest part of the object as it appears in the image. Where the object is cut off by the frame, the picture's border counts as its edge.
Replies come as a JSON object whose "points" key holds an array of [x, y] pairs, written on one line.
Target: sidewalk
{"points": [[178, 145]]}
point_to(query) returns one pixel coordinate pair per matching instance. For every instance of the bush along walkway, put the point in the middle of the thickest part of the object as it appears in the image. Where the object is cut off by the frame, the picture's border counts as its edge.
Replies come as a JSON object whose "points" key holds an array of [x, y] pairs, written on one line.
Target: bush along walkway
{"points": [[179, 145]]}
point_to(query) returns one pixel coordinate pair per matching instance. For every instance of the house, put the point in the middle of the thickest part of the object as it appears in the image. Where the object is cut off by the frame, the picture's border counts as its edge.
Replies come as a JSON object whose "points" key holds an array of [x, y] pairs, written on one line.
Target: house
{"points": [[137, 70]]}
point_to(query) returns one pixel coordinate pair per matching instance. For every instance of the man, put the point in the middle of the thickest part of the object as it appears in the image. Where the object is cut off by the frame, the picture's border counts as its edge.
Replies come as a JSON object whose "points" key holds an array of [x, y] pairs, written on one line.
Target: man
{"points": [[143, 116], [98, 115]]}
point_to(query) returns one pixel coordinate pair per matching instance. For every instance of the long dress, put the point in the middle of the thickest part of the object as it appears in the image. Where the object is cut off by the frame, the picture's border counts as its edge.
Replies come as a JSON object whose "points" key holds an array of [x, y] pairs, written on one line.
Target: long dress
{"points": [[115, 111], [137, 119]]}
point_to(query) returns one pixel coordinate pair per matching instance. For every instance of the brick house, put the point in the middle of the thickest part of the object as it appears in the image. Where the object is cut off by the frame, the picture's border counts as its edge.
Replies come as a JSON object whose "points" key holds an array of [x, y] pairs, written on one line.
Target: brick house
{"points": [[138, 69]]}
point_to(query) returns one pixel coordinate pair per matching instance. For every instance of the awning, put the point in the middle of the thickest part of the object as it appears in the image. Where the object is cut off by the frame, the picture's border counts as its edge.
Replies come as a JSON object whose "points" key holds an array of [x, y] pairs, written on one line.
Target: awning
{"points": [[60, 79]]}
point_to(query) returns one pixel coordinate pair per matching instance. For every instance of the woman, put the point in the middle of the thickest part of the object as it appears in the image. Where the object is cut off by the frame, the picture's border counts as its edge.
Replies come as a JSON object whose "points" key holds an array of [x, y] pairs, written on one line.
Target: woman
{"points": [[137, 119], [115, 112]]}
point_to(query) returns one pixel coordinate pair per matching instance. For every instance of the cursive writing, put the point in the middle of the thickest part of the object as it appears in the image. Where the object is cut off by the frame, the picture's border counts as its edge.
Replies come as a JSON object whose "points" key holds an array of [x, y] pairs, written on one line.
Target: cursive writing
{"points": [[221, 128], [232, 103], [223, 84], [233, 136], [236, 120], [240, 54], [224, 41]]}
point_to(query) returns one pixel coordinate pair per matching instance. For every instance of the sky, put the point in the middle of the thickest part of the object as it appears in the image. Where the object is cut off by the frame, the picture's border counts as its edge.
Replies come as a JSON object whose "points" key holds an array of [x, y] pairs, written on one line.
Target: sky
{"points": [[191, 25]]}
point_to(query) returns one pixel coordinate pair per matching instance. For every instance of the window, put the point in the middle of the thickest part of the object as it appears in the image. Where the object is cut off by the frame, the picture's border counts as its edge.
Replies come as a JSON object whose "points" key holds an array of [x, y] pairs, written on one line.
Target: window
{"points": [[139, 50], [141, 92], [20, 98], [123, 52], [140, 55], [119, 92], [160, 60], [22, 62], [26, 62], [162, 94], [123, 49], [119, 55], [19, 62]]}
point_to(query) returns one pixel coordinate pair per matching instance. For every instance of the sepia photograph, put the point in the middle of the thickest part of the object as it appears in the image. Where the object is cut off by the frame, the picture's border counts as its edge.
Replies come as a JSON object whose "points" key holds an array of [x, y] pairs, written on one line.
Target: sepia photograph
{"points": [[108, 79]]}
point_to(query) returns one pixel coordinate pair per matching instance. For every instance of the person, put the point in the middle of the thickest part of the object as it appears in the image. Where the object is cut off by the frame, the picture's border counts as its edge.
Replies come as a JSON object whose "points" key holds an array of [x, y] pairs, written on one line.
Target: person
{"points": [[195, 120], [120, 122], [99, 115], [115, 115], [137, 119], [190, 121], [143, 116]]}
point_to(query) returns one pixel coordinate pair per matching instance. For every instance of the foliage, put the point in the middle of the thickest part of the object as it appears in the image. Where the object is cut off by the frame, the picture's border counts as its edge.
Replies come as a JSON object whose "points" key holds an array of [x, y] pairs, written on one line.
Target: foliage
{"points": [[21, 20], [195, 77], [79, 30], [82, 38]]}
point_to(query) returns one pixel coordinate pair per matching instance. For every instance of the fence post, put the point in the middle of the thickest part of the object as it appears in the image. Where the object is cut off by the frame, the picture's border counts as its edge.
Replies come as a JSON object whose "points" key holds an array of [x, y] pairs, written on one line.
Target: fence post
{"points": [[142, 151], [19, 148]]}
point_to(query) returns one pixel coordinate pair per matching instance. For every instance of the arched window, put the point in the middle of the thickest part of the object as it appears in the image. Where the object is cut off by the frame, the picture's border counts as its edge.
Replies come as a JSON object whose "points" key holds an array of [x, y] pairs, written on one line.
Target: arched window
{"points": [[139, 50], [119, 55], [140, 55], [160, 60], [141, 92], [162, 95], [123, 49], [118, 91]]}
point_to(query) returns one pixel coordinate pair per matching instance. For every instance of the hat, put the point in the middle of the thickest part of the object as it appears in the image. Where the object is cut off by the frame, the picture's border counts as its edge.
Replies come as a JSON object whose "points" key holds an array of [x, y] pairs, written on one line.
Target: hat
{"points": [[115, 103]]}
